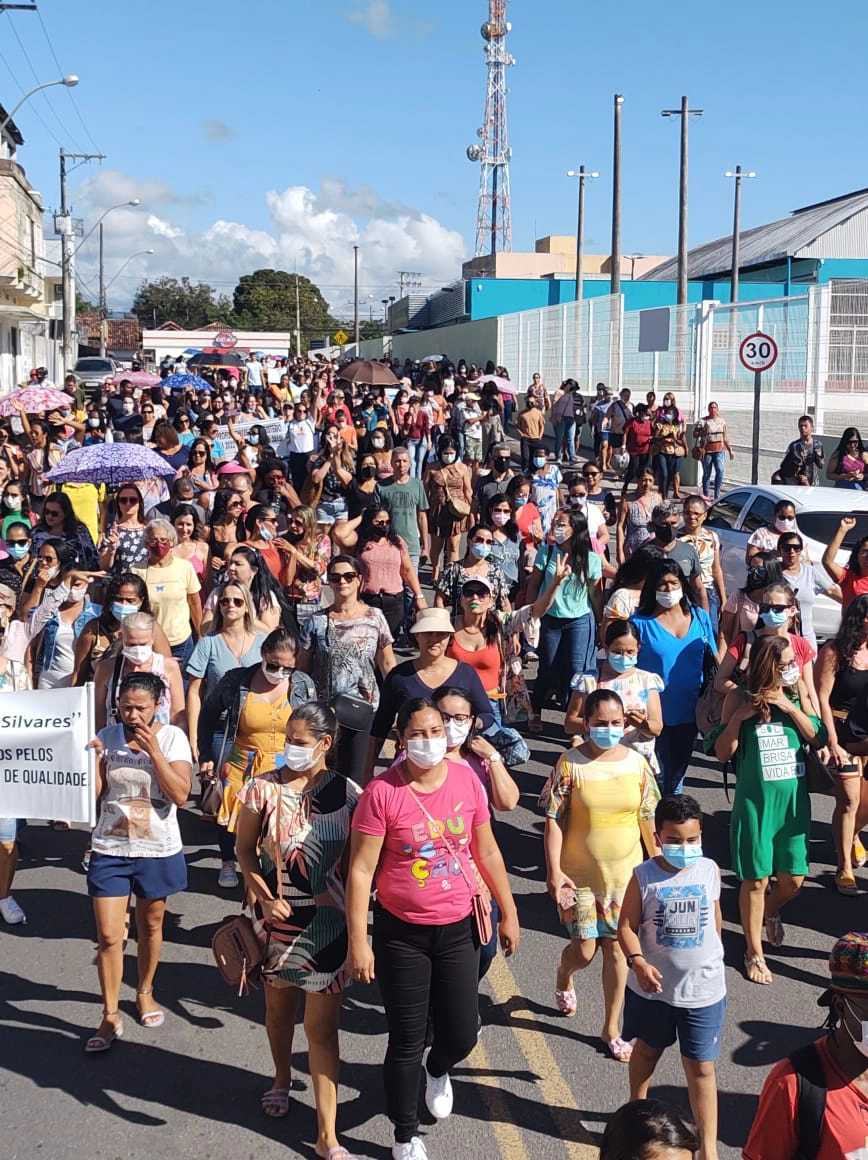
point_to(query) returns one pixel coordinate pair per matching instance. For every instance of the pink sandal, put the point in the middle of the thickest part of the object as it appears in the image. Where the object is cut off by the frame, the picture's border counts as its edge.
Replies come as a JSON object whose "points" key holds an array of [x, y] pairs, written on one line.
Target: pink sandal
{"points": [[566, 1002], [620, 1049]]}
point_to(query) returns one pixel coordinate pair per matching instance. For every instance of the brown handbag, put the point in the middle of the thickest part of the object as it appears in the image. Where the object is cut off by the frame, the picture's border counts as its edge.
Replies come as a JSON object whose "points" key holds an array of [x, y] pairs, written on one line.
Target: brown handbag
{"points": [[239, 954]]}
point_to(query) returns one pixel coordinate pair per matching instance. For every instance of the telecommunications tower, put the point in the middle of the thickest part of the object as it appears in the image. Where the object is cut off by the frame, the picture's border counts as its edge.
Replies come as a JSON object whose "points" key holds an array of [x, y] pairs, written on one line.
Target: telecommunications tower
{"points": [[493, 215]]}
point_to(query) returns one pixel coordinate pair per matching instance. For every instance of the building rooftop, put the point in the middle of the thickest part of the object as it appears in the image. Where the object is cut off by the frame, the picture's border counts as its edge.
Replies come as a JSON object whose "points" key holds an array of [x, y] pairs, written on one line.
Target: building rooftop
{"points": [[11, 129], [774, 242]]}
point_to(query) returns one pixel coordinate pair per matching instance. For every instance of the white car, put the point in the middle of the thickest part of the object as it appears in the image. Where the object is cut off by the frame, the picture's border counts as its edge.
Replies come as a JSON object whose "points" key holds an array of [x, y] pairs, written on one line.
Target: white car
{"points": [[743, 510]]}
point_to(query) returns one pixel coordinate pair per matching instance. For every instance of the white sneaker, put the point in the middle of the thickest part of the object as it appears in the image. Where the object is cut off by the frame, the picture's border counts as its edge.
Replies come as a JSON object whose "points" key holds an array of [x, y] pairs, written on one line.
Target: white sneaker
{"points": [[415, 1150], [11, 911], [438, 1092], [228, 877]]}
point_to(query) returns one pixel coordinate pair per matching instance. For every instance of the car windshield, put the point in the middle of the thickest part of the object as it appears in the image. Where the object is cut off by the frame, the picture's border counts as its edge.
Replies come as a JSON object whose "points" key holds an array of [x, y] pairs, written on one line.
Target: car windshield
{"points": [[89, 365], [822, 526]]}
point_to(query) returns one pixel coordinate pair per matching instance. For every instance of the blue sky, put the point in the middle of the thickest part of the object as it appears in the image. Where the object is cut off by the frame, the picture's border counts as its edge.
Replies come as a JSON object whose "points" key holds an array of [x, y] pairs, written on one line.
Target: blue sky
{"points": [[282, 131]]}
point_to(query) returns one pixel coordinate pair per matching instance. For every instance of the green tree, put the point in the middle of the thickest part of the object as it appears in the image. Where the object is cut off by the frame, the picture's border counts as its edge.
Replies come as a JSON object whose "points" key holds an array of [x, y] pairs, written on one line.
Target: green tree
{"points": [[190, 304], [265, 300], [82, 306]]}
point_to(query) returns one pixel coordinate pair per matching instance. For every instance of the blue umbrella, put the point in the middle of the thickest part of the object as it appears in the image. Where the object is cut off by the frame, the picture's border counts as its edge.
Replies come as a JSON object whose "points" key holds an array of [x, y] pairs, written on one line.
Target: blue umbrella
{"points": [[111, 463], [182, 382]]}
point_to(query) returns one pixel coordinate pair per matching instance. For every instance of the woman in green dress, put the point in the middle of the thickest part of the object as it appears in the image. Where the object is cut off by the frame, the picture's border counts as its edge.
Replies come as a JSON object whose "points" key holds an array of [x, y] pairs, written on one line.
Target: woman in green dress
{"points": [[766, 734]]}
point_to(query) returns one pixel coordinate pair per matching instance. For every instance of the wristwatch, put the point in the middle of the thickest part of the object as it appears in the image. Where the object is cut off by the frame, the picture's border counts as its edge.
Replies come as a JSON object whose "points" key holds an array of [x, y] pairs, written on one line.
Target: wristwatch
{"points": [[630, 958]]}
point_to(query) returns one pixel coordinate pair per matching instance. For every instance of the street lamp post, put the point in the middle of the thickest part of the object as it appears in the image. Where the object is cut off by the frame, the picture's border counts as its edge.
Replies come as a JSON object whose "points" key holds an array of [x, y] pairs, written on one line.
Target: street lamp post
{"points": [[738, 174], [103, 287], [356, 298], [633, 259], [581, 173], [685, 112], [615, 259], [68, 82]]}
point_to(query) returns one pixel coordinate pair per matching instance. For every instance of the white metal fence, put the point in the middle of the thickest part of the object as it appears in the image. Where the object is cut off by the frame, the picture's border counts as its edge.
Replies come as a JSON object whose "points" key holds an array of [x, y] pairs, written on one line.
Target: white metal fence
{"points": [[822, 367]]}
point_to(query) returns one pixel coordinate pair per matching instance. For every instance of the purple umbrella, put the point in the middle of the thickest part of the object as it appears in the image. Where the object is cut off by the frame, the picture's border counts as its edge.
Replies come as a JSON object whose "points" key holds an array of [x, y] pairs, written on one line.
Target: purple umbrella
{"points": [[111, 463]]}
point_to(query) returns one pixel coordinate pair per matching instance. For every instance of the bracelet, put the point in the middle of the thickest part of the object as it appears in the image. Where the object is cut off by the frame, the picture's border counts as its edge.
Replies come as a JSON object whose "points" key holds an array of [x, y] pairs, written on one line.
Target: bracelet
{"points": [[631, 958]]}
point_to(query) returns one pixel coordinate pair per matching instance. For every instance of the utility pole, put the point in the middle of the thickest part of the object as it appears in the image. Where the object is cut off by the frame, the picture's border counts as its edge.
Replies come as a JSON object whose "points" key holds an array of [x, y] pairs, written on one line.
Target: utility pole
{"points": [[615, 259], [356, 297], [67, 258], [684, 113], [411, 279], [738, 174], [581, 173], [103, 320]]}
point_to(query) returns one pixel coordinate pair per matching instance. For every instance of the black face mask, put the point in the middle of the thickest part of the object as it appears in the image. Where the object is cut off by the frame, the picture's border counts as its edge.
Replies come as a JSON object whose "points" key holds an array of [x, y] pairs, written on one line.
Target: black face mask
{"points": [[295, 537], [665, 533], [501, 465], [378, 533], [368, 472]]}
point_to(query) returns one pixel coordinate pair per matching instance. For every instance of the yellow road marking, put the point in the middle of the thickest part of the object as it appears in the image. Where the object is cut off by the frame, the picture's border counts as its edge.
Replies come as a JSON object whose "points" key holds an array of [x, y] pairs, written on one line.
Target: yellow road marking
{"points": [[552, 1085], [505, 1132]]}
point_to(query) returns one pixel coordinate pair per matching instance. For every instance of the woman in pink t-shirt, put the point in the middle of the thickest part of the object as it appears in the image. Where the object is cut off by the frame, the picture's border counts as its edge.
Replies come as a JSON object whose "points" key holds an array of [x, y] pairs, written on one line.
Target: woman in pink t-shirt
{"points": [[415, 829]]}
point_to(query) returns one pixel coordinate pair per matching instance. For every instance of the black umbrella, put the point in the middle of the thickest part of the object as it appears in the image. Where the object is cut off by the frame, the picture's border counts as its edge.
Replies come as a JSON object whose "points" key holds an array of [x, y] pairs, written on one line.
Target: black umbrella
{"points": [[222, 358]]}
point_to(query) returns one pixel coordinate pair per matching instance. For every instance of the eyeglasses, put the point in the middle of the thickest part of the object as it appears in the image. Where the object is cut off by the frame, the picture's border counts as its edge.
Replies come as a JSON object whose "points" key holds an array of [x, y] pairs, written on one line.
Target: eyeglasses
{"points": [[458, 718], [775, 607], [156, 543], [231, 602], [198, 454], [128, 499], [147, 410], [343, 577]]}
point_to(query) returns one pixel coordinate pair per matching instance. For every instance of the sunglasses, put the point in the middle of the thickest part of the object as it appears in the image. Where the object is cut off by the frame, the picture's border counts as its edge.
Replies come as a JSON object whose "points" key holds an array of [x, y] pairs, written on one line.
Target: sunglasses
{"points": [[775, 607], [235, 503], [590, 474], [791, 547], [128, 499], [268, 520], [278, 670], [231, 602], [381, 523], [52, 513], [184, 422], [25, 541], [342, 577], [478, 592]]}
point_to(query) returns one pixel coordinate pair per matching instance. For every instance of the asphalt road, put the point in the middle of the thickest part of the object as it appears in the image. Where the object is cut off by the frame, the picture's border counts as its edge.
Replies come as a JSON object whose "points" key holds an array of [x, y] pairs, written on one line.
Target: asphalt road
{"points": [[537, 1086]]}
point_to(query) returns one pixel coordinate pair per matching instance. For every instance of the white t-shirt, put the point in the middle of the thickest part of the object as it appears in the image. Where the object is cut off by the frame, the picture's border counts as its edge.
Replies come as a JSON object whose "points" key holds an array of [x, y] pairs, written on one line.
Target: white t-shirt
{"points": [[136, 820], [254, 373]]}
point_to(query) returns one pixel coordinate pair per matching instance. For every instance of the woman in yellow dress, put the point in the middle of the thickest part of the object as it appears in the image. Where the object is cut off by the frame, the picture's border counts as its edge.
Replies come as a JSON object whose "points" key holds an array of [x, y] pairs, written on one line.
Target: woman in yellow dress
{"points": [[599, 805]]}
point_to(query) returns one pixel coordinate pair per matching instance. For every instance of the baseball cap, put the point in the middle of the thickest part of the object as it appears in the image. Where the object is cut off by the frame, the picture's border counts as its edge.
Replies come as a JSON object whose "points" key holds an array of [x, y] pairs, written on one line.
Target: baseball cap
{"points": [[231, 468], [474, 580]]}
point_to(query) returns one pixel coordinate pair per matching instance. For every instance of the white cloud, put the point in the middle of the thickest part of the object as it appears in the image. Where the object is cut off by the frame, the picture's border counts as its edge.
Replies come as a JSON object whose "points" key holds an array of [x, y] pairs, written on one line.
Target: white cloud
{"points": [[217, 130], [313, 230], [377, 18]]}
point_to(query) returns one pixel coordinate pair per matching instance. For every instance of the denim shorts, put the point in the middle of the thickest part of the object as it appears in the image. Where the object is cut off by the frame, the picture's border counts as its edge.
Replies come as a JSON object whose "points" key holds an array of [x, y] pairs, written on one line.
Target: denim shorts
{"points": [[697, 1029], [111, 877], [329, 511], [10, 829]]}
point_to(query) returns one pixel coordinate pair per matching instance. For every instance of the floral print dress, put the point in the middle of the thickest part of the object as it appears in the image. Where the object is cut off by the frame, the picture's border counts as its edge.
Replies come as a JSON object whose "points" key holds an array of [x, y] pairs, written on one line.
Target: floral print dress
{"points": [[308, 950]]}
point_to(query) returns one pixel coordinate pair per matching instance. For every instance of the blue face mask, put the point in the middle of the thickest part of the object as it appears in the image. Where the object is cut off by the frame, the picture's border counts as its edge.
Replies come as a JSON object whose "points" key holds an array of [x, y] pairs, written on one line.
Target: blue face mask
{"points": [[254, 439], [17, 551], [119, 611], [265, 534], [622, 663], [521, 500], [606, 736], [772, 619], [481, 551], [682, 856], [540, 460]]}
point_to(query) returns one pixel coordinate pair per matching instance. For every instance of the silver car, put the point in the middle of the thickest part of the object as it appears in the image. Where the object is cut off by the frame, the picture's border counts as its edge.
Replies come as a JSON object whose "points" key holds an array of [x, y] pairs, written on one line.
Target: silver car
{"points": [[91, 374], [742, 511]]}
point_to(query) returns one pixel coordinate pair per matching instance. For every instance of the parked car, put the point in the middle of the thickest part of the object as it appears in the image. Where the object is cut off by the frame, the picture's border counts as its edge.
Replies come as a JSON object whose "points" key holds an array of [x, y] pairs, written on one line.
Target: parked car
{"points": [[742, 511], [91, 374]]}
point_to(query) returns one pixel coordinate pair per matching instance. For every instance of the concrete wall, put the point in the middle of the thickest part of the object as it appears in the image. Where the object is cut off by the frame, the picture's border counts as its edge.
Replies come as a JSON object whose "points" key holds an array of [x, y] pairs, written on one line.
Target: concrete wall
{"points": [[474, 341]]}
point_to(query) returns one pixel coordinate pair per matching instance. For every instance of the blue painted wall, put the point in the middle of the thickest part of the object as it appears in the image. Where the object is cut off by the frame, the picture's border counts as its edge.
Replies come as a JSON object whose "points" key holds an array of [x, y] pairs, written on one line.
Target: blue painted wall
{"points": [[491, 297]]}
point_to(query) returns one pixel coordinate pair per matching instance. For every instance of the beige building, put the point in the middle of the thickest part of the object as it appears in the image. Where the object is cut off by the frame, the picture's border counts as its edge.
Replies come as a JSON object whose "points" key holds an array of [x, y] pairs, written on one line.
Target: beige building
{"points": [[555, 257], [27, 335]]}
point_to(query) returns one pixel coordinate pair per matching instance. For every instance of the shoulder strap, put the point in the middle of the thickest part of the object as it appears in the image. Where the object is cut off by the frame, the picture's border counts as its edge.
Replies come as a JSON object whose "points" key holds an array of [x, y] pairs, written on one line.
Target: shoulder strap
{"points": [[811, 1099], [115, 681]]}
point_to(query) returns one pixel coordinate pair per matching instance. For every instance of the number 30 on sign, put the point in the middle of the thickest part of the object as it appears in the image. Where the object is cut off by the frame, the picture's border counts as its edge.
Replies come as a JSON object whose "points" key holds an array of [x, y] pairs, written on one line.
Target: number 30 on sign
{"points": [[758, 352]]}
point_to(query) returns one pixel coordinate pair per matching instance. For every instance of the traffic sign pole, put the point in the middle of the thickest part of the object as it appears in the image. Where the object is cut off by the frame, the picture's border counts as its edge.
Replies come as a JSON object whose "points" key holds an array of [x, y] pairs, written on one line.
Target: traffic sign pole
{"points": [[758, 353], [754, 451]]}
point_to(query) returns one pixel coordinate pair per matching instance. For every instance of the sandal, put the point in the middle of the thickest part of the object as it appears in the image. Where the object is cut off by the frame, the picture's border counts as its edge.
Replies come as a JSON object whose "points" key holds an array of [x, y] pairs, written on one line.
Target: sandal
{"points": [[566, 1002], [620, 1049], [757, 970], [98, 1043], [150, 1019], [275, 1102], [534, 725], [860, 854], [774, 931], [846, 884], [339, 1152]]}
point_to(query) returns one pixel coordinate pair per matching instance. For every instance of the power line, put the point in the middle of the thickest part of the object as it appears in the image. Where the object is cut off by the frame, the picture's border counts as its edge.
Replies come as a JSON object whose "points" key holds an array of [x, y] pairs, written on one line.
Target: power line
{"points": [[26, 56], [35, 112], [62, 73]]}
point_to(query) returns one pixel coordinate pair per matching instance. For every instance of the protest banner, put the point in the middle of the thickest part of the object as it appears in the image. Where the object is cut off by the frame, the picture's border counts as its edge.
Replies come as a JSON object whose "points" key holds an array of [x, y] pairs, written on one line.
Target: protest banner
{"points": [[46, 769], [275, 428]]}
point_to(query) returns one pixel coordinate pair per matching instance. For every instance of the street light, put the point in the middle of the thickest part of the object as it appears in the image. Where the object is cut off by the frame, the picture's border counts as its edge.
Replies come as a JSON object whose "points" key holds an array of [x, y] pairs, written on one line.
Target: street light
{"points": [[736, 230], [68, 82], [582, 174], [615, 259], [138, 254], [121, 205], [633, 259]]}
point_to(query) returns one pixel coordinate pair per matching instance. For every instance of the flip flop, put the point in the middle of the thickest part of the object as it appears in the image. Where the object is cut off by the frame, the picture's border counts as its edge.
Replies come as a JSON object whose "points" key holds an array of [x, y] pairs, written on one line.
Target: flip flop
{"points": [[275, 1103], [339, 1152], [566, 1002], [846, 884], [620, 1049], [99, 1043], [860, 854]]}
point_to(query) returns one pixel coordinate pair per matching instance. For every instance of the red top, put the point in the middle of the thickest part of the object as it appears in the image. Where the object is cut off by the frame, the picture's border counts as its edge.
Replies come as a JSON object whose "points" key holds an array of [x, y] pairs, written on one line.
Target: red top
{"points": [[801, 648], [637, 437], [486, 661], [851, 586], [417, 879], [774, 1135], [524, 517], [419, 428]]}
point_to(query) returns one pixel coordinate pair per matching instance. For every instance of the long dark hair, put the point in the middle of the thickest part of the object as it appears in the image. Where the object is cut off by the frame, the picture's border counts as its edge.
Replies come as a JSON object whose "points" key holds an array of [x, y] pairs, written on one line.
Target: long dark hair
{"points": [[659, 570], [263, 585], [194, 446], [851, 635], [848, 434], [121, 580], [580, 545], [259, 511], [222, 496], [72, 525], [635, 570], [642, 1124], [510, 528], [853, 566], [366, 528], [114, 509], [264, 447]]}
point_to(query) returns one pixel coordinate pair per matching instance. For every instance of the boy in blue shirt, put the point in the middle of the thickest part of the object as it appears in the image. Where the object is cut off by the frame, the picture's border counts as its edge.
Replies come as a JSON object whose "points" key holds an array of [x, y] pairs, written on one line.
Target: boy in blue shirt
{"points": [[669, 930]]}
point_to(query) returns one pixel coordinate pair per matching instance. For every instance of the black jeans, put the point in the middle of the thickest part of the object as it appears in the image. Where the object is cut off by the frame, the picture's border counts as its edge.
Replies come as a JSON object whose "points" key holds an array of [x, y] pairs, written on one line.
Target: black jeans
{"points": [[421, 968], [391, 604]]}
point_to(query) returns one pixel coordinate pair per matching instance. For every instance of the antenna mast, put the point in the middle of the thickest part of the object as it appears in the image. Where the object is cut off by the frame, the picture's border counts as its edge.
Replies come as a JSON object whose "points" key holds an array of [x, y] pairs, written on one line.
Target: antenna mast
{"points": [[493, 214]]}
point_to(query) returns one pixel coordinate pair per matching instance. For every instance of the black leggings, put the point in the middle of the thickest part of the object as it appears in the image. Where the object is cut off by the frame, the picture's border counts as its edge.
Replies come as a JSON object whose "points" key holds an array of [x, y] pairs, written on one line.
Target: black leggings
{"points": [[421, 968]]}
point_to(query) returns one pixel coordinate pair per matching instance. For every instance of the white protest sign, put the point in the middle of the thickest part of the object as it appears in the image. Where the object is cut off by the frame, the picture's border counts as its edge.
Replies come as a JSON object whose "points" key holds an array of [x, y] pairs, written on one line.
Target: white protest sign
{"points": [[275, 429], [46, 771]]}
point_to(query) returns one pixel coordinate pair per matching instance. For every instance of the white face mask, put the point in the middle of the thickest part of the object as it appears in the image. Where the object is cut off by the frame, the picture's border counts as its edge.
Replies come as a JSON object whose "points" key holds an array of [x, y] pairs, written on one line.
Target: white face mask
{"points": [[78, 592], [668, 598], [51, 572], [785, 525], [299, 757], [500, 519], [561, 534], [138, 654], [456, 734], [790, 675], [272, 677], [426, 752]]}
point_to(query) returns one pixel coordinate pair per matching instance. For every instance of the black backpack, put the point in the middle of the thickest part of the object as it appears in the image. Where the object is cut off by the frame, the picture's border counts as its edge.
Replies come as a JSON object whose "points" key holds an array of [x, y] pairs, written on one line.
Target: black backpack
{"points": [[811, 1100]]}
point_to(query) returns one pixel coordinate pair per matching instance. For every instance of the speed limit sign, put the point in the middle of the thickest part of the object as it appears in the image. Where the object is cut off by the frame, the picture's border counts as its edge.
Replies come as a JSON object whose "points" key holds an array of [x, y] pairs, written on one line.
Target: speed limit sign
{"points": [[758, 352]]}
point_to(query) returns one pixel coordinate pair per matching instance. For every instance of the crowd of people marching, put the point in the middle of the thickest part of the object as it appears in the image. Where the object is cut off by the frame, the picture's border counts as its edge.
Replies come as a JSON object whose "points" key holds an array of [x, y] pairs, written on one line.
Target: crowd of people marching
{"points": [[240, 618]]}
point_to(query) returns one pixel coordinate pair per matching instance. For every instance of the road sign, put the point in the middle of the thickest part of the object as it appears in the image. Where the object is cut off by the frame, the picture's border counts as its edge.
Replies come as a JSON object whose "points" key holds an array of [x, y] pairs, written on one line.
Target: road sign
{"points": [[758, 352], [341, 337]]}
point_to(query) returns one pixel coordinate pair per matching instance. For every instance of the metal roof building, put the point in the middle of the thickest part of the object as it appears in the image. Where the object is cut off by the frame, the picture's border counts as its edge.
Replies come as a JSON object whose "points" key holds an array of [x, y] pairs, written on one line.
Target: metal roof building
{"points": [[794, 249]]}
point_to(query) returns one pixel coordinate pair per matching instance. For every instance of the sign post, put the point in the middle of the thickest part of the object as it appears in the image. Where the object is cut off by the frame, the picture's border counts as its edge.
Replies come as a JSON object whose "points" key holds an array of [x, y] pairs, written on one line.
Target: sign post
{"points": [[758, 353]]}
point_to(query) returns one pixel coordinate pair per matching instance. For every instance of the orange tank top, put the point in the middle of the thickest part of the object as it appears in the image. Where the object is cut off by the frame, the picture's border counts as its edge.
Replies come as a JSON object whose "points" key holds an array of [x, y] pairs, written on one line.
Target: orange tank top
{"points": [[486, 661]]}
